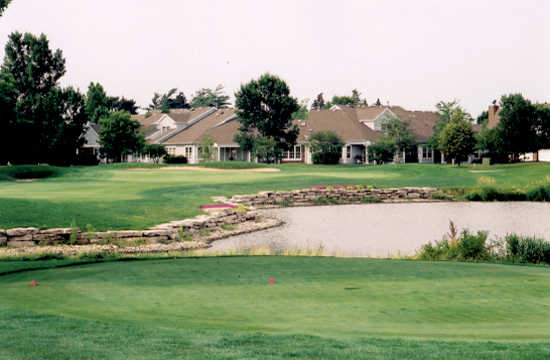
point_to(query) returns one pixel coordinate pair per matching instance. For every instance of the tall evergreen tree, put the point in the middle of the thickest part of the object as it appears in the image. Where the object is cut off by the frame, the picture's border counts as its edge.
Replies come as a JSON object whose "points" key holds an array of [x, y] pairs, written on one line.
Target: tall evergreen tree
{"points": [[318, 103]]}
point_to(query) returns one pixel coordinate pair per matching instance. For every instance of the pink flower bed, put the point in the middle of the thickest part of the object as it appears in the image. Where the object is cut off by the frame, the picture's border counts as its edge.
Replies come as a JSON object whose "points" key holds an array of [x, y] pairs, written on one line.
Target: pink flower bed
{"points": [[218, 206]]}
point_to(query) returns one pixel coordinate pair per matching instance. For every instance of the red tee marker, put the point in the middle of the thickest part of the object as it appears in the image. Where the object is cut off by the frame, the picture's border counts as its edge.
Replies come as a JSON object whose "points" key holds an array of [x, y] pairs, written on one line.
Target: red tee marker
{"points": [[272, 281], [33, 283]]}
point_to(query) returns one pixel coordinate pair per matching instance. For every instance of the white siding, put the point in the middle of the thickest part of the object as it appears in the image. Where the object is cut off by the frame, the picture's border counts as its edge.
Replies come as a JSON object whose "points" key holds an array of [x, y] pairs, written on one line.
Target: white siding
{"points": [[544, 155]]}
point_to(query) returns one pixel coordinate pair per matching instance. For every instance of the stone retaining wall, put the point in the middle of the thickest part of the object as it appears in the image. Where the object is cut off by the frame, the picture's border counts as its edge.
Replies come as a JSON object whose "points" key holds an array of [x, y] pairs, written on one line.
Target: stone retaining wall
{"points": [[31, 236], [332, 196]]}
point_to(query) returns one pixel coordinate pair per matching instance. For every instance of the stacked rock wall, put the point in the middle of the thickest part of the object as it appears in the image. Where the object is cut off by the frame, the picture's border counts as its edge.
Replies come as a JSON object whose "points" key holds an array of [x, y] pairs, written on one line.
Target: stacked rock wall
{"points": [[31, 236], [333, 196]]}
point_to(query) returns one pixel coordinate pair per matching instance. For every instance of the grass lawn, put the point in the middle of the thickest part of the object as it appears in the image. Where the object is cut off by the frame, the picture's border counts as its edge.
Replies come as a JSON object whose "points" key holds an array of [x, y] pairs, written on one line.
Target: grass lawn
{"points": [[115, 197], [225, 308]]}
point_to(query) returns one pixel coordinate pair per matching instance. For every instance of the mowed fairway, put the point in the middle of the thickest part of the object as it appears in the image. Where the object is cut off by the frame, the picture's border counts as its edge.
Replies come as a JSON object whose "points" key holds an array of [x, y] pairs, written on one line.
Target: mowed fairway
{"points": [[225, 308], [116, 198]]}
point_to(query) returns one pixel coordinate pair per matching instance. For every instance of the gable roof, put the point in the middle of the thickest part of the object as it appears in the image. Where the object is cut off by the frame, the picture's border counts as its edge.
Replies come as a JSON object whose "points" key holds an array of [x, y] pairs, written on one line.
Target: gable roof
{"points": [[195, 130], [343, 122], [224, 131], [180, 116], [421, 123]]}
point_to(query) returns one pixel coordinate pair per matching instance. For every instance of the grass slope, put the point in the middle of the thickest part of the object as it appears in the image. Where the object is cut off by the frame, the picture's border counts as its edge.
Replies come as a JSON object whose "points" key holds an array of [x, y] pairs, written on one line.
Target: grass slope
{"points": [[118, 197], [224, 308]]}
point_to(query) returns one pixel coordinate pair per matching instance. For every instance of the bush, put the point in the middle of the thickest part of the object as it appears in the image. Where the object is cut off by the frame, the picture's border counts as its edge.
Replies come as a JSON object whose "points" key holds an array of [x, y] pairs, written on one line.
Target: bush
{"points": [[175, 159], [382, 151], [493, 194], [473, 247], [528, 249], [541, 193], [454, 246], [326, 147], [20, 172]]}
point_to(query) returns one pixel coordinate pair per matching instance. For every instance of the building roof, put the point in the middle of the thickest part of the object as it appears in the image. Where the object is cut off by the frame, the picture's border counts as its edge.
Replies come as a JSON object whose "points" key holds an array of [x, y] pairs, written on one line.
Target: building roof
{"points": [[343, 122], [181, 117], [224, 131], [194, 133], [421, 123]]}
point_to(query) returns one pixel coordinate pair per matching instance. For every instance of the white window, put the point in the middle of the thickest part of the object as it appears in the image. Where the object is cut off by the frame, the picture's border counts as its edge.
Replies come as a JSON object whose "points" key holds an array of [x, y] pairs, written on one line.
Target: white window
{"points": [[171, 150], [188, 152], [426, 152], [295, 153], [348, 152]]}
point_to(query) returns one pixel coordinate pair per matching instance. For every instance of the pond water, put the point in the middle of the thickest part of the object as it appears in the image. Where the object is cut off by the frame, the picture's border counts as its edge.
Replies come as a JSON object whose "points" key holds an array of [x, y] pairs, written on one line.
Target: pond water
{"points": [[388, 229]]}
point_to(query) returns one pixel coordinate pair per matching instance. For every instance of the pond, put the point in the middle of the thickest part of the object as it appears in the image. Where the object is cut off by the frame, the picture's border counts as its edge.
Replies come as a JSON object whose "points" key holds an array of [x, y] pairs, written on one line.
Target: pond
{"points": [[382, 230]]}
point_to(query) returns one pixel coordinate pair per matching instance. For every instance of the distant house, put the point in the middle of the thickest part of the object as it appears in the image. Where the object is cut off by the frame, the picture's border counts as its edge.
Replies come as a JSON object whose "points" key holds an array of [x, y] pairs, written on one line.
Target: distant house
{"points": [[91, 145], [181, 131]]}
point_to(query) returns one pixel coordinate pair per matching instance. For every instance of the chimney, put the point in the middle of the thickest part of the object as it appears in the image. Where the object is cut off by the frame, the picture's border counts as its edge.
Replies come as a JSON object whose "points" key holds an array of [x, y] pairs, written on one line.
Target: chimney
{"points": [[493, 117]]}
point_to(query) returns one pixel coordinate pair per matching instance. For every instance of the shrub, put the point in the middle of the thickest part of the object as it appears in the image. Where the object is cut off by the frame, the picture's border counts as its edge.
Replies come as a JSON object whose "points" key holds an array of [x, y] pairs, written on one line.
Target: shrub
{"points": [[493, 194], [540, 193], [455, 246], [326, 147], [175, 159], [473, 247], [528, 249]]}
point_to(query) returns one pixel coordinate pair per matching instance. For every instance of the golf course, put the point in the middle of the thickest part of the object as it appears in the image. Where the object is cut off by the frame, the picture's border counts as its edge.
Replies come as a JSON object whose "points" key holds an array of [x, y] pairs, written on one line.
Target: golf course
{"points": [[226, 308], [200, 306], [138, 196]]}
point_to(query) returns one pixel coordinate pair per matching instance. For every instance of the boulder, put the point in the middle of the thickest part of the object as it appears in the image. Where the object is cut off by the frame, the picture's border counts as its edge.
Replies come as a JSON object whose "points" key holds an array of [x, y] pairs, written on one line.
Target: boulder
{"points": [[21, 231], [21, 243]]}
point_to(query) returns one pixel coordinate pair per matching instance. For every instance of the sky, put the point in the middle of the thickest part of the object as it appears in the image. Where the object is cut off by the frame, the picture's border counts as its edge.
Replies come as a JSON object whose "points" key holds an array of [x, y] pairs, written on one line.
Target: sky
{"points": [[408, 53]]}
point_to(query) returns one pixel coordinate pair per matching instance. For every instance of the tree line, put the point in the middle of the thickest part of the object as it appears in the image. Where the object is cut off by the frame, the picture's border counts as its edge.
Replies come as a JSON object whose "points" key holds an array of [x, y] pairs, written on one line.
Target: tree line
{"points": [[41, 122]]}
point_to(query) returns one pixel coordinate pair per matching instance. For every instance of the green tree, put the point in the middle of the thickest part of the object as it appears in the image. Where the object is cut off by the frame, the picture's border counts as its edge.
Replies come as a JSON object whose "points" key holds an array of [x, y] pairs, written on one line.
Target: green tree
{"points": [[397, 131], [98, 104], [483, 118], [121, 103], [8, 102], [382, 151], [71, 127], [518, 126], [325, 147], [265, 149], [155, 152], [208, 97], [3, 5], [543, 118], [265, 109], [318, 103], [457, 139], [207, 150], [120, 136], [301, 113], [34, 71], [171, 100], [444, 110]]}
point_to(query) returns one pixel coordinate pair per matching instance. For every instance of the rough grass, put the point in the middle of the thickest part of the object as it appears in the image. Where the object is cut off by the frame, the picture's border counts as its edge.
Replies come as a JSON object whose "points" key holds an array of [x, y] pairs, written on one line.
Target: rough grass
{"points": [[116, 197], [225, 308]]}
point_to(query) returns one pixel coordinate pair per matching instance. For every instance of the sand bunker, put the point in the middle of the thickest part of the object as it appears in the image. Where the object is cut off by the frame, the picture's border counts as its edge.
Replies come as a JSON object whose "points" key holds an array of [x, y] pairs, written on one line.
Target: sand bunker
{"points": [[484, 171]]}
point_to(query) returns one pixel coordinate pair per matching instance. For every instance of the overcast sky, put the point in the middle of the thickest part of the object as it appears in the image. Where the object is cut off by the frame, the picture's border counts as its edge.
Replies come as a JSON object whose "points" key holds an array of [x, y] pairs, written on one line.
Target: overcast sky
{"points": [[409, 53]]}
